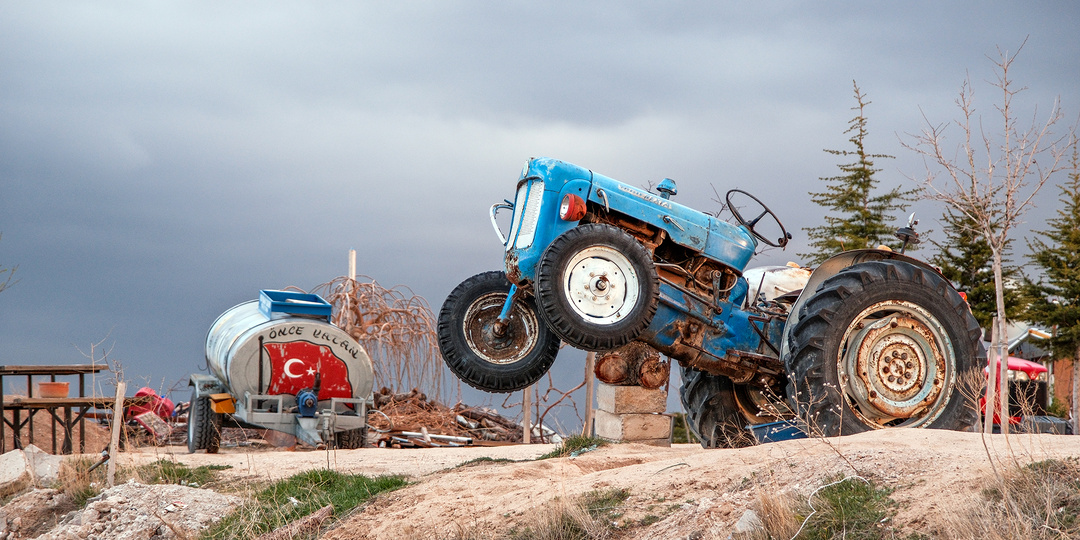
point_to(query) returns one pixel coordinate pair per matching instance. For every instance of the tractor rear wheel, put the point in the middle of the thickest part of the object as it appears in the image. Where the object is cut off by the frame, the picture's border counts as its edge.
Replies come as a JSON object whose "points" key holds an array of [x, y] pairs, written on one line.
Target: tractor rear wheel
{"points": [[597, 287], [885, 344], [712, 411], [487, 354]]}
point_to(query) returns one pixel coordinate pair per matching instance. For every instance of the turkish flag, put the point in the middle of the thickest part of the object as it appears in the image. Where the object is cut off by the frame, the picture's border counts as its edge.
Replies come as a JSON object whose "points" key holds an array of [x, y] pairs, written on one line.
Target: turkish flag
{"points": [[293, 366]]}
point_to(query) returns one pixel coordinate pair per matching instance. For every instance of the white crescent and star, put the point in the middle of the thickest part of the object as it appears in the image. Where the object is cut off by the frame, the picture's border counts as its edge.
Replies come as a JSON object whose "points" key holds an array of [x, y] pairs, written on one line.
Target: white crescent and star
{"points": [[288, 365], [288, 368]]}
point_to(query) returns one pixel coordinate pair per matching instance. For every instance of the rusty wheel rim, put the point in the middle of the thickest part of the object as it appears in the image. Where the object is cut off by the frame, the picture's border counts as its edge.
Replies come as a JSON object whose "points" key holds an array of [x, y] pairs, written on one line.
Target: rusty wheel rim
{"points": [[894, 361], [506, 345]]}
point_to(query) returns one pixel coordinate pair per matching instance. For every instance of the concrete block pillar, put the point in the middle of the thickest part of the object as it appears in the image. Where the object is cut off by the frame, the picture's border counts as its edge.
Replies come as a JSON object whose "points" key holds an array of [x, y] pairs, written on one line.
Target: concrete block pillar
{"points": [[632, 414]]}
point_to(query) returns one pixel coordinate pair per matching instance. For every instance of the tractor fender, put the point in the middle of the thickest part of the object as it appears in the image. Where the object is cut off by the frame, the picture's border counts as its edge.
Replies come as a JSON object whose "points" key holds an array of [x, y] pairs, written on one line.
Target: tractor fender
{"points": [[833, 266]]}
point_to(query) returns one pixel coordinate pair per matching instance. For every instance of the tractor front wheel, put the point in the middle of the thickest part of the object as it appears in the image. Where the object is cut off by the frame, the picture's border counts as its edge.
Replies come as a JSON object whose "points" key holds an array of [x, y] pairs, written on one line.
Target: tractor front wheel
{"points": [[488, 354], [597, 287]]}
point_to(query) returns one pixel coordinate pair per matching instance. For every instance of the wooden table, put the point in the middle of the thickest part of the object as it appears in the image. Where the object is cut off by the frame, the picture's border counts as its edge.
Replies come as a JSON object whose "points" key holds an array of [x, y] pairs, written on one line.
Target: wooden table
{"points": [[32, 404]]}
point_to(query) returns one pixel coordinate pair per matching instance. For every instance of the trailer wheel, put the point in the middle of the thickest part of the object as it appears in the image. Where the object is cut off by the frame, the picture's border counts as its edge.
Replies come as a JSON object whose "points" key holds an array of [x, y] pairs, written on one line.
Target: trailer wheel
{"points": [[885, 344], [350, 439], [204, 426], [484, 354], [597, 287], [712, 412]]}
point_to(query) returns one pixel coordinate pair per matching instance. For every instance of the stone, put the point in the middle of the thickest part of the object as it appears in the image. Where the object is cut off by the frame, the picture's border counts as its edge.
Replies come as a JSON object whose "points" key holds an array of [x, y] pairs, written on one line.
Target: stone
{"points": [[44, 466], [632, 427], [14, 473], [748, 522], [630, 399]]}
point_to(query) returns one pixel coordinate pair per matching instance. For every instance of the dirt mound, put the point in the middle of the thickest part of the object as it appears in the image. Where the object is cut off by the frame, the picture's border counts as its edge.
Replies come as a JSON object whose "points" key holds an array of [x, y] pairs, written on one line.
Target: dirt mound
{"points": [[694, 493], [680, 492]]}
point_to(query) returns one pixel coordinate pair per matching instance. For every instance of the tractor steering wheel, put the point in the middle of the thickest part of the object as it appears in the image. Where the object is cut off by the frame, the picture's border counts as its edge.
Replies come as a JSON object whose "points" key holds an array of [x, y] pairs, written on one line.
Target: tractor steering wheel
{"points": [[749, 224]]}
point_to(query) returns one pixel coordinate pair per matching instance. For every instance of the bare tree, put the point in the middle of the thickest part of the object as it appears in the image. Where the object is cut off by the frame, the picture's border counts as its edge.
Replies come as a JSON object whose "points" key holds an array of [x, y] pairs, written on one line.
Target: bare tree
{"points": [[990, 178]]}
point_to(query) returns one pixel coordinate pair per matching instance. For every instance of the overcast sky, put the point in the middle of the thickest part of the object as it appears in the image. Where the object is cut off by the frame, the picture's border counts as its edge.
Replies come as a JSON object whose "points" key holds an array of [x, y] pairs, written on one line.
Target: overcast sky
{"points": [[161, 162]]}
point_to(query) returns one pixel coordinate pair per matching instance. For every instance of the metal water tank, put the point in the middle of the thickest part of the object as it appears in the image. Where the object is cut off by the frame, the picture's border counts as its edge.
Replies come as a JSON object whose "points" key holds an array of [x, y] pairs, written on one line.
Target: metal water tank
{"points": [[277, 345]]}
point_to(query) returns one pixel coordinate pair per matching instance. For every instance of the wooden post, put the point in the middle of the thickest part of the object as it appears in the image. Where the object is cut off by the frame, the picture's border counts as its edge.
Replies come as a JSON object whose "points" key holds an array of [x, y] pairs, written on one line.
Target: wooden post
{"points": [[526, 415], [117, 425], [590, 388], [352, 264]]}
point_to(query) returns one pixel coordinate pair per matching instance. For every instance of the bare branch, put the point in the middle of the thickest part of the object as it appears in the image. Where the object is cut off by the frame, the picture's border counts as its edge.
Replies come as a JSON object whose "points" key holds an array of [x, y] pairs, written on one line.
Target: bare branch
{"points": [[1015, 164]]}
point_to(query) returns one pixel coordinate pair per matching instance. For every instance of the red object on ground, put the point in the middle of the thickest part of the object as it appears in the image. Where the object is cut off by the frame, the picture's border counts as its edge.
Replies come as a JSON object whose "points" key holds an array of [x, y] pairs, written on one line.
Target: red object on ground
{"points": [[160, 406]]}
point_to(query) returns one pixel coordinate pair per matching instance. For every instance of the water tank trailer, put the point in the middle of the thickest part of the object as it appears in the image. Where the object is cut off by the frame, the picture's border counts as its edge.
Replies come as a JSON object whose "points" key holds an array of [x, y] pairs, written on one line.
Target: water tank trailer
{"points": [[279, 363]]}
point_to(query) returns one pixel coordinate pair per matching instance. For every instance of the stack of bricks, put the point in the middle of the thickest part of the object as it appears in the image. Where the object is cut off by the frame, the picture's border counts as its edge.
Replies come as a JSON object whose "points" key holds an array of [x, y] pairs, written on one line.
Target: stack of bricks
{"points": [[632, 414]]}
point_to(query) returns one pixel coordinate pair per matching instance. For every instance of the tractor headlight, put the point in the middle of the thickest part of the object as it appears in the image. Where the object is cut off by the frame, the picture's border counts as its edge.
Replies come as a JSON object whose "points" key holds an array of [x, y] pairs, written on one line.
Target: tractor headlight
{"points": [[572, 208], [1015, 375]]}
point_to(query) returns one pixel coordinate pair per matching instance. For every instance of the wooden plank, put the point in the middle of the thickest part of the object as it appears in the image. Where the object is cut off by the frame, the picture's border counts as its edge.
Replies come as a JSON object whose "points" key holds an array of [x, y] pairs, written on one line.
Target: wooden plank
{"points": [[49, 403], [68, 369], [117, 425]]}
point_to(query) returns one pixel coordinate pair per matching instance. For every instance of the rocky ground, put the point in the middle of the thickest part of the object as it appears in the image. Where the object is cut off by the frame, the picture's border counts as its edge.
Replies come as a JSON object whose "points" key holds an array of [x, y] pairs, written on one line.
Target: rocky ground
{"points": [[695, 493], [681, 492]]}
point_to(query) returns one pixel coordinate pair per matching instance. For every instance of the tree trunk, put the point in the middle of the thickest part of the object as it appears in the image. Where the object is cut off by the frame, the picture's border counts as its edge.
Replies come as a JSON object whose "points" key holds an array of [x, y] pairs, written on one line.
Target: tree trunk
{"points": [[633, 364], [1001, 344], [991, 380]]}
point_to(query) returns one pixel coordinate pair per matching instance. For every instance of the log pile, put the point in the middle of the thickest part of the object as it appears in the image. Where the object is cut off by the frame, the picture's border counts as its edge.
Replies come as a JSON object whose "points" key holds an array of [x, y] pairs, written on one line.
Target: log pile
{"points": [[412, 420], [634, 364]]}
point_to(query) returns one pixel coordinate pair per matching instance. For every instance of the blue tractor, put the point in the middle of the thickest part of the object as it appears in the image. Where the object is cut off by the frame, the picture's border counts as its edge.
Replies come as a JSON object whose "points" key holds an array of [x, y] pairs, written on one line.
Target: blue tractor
{"points": [[870, 339]]}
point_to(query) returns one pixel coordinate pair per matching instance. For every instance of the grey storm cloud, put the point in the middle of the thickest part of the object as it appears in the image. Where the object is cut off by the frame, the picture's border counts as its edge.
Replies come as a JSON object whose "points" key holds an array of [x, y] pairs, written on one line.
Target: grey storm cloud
{"points": [[162, 162]]}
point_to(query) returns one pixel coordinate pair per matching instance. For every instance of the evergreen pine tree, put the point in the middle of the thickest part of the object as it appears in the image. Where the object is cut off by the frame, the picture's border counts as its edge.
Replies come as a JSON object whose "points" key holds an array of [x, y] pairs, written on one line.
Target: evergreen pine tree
{"points": [[1056, 301], [859, 218], [965, 258]]}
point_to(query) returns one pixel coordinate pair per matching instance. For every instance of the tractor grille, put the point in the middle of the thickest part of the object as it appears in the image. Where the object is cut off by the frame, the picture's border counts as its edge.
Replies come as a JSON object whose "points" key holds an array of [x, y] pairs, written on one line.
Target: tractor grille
{"points": [[526, 214], [1028, 398]]}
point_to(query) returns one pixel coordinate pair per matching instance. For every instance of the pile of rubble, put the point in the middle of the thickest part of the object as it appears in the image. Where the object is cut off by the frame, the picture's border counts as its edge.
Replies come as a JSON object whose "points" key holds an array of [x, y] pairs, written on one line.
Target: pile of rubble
{"points": [[412, 420], [134, 511], [127, 511]]}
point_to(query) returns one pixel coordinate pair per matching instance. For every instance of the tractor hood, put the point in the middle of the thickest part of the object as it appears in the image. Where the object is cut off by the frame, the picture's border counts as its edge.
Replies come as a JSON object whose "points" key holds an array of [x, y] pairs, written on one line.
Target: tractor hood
{"points": [[714, 238]]}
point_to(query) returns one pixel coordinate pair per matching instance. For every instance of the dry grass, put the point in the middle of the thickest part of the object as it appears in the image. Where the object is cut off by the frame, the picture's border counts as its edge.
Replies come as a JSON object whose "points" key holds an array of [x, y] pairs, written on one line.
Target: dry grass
{"points": [[588, 517], [775, 508], [1040, 501], [81, 480], [850, 508]]}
